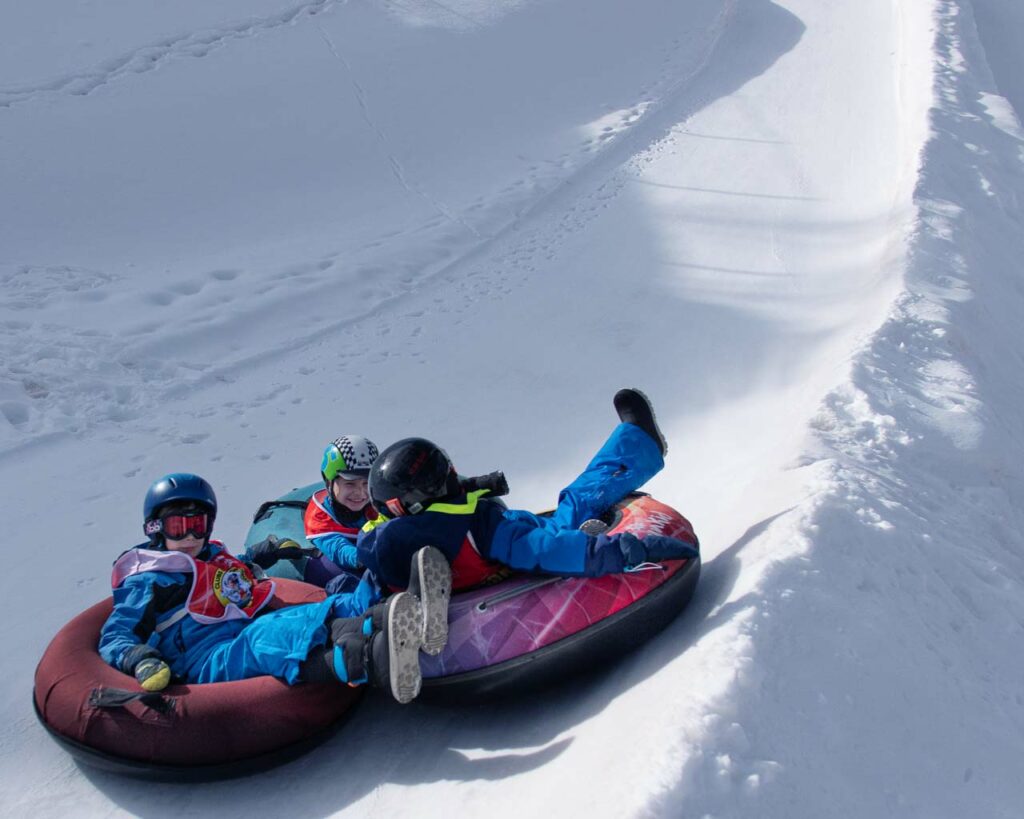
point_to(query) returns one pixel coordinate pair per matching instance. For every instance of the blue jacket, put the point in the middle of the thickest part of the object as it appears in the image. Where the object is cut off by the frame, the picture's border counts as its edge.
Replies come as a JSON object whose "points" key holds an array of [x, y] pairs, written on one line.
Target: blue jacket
{"points": [[274, 643]]}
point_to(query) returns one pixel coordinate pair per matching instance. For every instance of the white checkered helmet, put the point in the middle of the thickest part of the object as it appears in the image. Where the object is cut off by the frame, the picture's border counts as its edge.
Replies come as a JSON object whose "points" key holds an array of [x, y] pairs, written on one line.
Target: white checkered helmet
{"points": [[349, 456]]}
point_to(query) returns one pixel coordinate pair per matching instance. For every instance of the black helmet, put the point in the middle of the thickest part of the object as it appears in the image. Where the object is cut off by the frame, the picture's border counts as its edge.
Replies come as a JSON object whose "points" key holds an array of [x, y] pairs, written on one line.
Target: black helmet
{"points": [[409, 475]]}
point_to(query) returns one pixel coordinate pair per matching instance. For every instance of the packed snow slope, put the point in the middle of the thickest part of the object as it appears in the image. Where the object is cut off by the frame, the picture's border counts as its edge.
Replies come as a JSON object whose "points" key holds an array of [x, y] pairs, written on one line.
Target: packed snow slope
{"points": [[230, 231]]}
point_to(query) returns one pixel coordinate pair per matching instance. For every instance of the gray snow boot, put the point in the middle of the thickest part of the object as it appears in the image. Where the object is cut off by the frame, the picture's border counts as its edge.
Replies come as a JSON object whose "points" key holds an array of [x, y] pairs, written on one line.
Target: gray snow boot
{"points": [[394, 647], [430, 579]]}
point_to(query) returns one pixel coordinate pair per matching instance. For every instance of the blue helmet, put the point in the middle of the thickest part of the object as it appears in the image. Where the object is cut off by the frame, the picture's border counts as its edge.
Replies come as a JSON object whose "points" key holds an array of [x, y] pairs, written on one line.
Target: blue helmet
{"points": [[178, 486]]}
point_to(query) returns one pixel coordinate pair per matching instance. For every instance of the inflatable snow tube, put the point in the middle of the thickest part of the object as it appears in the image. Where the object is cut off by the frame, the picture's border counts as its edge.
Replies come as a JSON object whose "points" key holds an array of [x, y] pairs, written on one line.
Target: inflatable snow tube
{"points": [[531, 630], [185, 732]]}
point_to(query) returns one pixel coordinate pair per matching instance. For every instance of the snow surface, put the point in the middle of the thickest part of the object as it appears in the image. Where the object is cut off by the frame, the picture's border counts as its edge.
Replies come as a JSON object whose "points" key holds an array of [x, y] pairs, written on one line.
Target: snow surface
{"points": [[230, 231]]}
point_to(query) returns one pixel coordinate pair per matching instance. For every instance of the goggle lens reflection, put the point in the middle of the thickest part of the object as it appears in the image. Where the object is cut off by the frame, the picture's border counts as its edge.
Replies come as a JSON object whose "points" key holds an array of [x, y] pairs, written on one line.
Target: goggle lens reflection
{"points": [[179, 526]]}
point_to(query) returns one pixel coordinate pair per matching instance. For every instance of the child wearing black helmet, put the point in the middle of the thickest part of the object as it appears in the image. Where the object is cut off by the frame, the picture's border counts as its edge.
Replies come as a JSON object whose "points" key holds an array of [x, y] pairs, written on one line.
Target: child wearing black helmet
{"points": [[414, 486], [185, 608]]}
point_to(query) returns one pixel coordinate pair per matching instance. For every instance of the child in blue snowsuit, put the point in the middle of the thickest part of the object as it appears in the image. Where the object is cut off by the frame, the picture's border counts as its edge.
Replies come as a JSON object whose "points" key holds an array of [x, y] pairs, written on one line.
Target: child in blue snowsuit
{"points": [[414, 483], [185, 608]]}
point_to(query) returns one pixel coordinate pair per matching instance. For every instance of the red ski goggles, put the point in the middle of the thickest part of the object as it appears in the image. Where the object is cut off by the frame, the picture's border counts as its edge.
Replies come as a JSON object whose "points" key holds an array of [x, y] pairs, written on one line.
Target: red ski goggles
{"points": [[177, 526]]}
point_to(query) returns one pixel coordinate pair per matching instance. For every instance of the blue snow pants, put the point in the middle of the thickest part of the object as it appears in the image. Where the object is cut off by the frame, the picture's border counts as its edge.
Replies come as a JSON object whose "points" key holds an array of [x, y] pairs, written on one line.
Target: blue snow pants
{"points": [[276, 643], [554, 545]]}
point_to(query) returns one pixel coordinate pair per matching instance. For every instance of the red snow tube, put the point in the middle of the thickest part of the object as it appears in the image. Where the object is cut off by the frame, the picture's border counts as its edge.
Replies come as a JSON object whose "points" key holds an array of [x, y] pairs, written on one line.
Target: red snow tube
{"points": [[103, 718]]}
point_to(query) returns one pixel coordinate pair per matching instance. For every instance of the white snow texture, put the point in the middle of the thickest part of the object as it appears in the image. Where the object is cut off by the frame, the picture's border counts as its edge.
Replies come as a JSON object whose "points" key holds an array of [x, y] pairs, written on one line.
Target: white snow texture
{"points": [[232, 231]]}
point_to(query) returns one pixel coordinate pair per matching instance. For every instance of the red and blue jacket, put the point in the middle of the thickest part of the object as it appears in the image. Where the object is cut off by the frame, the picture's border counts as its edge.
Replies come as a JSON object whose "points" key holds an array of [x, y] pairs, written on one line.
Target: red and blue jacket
{"points": [[334, 537]]}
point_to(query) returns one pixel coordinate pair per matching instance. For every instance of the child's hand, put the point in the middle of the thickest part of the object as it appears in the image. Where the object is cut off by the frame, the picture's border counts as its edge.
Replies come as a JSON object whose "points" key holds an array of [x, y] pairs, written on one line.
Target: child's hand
{"points": [[270, 550], [495, 482], [654, 549], [153, 674]]}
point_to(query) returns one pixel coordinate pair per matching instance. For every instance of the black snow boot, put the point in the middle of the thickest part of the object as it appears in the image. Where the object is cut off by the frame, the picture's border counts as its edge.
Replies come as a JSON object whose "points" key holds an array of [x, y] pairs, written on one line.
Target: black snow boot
{"points": [[430, 579], [635, 408]]}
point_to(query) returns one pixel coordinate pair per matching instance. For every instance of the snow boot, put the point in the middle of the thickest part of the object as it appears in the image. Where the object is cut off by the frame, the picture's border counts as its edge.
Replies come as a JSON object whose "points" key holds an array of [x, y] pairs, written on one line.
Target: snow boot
{"points": [[393, 649], [635, 408], [430, 579]]}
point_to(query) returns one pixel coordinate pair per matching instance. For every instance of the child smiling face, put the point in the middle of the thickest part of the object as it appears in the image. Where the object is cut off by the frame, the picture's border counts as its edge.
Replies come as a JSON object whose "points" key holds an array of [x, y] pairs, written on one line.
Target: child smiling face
{"points": [[352, 493]]}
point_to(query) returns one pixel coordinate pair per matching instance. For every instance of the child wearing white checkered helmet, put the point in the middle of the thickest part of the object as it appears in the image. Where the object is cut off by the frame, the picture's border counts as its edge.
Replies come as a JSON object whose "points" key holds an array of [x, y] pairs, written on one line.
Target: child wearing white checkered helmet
{"points": [[336, 513], [331, 522], [345, 466]]}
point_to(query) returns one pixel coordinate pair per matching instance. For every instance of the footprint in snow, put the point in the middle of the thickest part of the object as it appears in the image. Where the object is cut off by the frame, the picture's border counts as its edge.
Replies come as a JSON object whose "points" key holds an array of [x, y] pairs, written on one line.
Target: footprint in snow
{"points": [[16, 413], [160, 298], [186, 288], [301, 269]]}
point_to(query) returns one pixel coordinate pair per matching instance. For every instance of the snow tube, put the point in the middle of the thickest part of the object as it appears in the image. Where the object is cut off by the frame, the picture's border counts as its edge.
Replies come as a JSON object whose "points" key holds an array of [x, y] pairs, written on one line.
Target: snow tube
{"points": [[186, 732], [285, 514], [531, 630]]}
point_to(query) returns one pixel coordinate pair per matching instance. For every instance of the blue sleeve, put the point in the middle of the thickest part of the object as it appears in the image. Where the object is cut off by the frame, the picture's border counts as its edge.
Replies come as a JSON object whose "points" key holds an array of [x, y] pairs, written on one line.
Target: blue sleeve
{"points": [[338, 548], [366, 546], [132, 620], [384, 553]]}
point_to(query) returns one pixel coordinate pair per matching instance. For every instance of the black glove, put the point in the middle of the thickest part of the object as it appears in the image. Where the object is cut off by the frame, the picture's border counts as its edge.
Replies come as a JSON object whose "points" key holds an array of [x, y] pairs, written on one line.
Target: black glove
{"points": [[654, 548], [660, 547], [495, 482], [148, 667], [270, 550]]}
